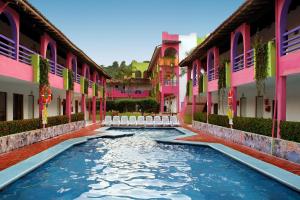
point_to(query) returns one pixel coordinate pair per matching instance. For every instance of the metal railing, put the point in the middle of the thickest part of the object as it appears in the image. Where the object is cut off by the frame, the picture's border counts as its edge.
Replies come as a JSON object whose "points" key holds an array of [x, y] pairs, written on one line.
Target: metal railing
{"points": [[7, 47], [238, 63], [291, 41], [250, 58], [25, 54], [170, 82]]}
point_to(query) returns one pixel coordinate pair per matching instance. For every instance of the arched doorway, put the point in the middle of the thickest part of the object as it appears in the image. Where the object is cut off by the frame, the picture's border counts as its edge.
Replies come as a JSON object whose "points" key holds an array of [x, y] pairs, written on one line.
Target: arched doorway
{"points": [[238, 52], [8, 35]]}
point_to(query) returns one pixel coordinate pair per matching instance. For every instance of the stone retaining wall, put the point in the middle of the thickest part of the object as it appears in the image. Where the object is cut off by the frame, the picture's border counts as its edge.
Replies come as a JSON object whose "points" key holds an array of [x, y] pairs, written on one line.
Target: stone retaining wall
{"points": [[281, 148], [15, 141]]}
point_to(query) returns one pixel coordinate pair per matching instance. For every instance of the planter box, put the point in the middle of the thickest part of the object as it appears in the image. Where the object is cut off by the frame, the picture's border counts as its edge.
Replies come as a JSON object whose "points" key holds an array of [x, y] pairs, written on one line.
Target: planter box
{"points": [[18, 140], [281, 148]]}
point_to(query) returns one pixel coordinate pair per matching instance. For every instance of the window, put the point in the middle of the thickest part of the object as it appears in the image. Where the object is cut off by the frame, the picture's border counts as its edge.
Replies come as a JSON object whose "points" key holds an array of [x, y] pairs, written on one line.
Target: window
{"points": [[17, 106], [2, 106]]}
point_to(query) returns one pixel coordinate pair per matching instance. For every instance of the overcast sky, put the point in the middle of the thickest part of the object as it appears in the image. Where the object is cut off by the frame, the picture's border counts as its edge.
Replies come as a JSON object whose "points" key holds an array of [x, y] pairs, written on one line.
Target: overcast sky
{"points": [[109, 30]]}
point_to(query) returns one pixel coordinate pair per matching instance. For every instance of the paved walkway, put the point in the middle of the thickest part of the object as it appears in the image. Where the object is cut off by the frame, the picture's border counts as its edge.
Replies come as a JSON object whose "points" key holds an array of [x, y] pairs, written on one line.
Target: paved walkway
{"points": [[13, 157], [284, 164]]}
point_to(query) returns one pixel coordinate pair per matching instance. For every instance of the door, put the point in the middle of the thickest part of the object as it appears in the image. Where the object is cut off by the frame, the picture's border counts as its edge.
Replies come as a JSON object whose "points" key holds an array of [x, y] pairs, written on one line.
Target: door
{"points": [[76, 106], [2, 106], [259, 107], [58, 106], [243, 106], [64, 107], [30, 106], [17, 106], [216, 107]]}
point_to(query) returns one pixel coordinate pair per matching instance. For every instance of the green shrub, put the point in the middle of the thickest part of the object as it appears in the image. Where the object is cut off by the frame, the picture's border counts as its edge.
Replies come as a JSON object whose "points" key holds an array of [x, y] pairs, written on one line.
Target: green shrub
{"points": [[128, 105], [187, 119], [254, 125], [77, 117], [86, 86], [17, 126], [57, 120], [201, 117], [290, 130], [219, 120]]}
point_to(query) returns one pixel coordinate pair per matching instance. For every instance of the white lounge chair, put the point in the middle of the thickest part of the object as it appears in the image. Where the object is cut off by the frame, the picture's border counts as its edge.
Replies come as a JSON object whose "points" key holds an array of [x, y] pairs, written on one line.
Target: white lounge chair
{"points": [[174, 121], [124, 121], [149, 121], [141, 121], [132, 121], [116, 121], [107, 120], [157, 121], [166, 121]]}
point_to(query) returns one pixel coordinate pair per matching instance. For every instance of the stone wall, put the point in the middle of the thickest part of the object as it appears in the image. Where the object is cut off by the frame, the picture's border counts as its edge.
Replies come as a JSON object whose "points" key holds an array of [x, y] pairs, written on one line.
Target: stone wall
{"points": [[15, 141], [281, 148]]}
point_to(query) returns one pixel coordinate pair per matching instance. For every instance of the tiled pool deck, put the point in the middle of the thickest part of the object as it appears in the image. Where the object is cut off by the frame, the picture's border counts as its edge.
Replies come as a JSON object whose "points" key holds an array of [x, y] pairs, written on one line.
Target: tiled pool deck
{"points": [[14, 157]]}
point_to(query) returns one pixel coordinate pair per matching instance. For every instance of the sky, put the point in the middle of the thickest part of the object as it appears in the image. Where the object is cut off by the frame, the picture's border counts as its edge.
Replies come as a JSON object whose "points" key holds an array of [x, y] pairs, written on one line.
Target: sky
{"points": [[117, 30]]}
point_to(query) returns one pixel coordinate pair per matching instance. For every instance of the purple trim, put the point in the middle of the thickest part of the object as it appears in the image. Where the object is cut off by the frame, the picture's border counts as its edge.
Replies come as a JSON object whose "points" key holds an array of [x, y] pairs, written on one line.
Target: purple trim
{"points": [[25, 54], [13, 26], [210, 66], [195, 81], [238, 60], [283, 22]]}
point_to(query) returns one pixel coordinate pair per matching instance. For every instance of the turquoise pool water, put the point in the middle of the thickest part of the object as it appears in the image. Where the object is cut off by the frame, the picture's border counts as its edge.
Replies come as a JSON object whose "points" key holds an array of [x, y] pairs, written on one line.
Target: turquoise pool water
{"points": [[137, 167]]}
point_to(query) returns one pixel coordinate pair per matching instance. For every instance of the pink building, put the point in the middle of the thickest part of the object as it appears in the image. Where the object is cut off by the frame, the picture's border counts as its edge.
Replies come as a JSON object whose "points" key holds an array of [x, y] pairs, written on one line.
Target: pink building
{"points": [[25, 32], [230, 49], [164, 73]]}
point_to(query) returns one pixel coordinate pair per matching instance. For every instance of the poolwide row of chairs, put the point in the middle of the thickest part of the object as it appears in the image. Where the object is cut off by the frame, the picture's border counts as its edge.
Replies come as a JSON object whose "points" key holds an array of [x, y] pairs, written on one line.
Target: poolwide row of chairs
{"points": [[141, 121]]}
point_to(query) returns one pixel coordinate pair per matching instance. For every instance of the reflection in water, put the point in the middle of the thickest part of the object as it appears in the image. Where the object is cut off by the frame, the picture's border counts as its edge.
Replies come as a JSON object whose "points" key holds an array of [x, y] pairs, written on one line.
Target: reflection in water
{"points": [[131, 168], [139, 168]]}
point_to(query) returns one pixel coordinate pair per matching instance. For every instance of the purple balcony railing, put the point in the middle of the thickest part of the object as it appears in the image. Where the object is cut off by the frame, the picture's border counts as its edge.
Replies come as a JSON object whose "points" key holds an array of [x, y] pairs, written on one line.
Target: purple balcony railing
{"points": [[77, 78], [170, 82], [238, 63], [211, 73], [59, 70], [7, 47], [250, 58], [291, 41], [25, 54], [90, 83], [52, 66]]}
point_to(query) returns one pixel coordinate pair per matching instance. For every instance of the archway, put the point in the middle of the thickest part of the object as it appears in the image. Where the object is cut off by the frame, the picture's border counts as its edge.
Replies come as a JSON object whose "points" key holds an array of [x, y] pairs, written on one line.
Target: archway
{"points": [[211, 66], [50, 55], [170, 52], [238, 52], [289, 27], [8, 35]]}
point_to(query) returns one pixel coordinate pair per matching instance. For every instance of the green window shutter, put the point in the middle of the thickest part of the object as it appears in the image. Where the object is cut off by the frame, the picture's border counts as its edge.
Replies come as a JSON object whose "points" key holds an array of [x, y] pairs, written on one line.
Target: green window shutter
{"points": [[94, 89], [271, 58], [66, 78], [82, 80], [228, 74], [35, 62]]}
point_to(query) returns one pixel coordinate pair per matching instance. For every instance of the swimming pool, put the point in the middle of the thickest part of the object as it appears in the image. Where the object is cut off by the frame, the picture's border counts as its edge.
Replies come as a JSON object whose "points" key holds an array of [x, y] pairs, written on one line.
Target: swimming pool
{"points": [[137, 167]]}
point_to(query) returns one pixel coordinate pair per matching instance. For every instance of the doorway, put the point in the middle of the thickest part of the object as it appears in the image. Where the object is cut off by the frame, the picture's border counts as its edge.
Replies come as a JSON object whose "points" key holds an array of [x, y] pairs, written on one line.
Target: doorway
{"points": [[2, 106], [30, 106], [243, 107], [17, 106], [259, 107]]}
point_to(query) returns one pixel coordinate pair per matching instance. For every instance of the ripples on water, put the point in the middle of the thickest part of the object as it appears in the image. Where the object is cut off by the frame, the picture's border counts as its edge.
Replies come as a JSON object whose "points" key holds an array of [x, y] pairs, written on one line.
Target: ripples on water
{"points": [[138, 168]]}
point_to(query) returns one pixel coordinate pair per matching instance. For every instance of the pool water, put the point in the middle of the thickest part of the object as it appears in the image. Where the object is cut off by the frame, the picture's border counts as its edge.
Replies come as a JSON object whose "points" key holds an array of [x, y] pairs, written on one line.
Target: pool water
{"points": [[137, 167]]}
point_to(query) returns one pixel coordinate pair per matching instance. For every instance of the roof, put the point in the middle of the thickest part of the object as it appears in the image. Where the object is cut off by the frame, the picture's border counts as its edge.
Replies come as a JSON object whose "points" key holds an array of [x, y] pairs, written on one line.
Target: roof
{"points": [[58, 35], [250, 11], [153, 58]]}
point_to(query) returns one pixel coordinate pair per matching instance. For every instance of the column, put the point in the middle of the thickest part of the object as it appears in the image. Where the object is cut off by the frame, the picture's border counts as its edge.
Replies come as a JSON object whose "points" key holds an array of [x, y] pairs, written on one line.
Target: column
{"points": [[68, 104], [94, 109], [101, 110], [234, 99], [83, 104], [281, 102], [162, 103], [209, 101]]}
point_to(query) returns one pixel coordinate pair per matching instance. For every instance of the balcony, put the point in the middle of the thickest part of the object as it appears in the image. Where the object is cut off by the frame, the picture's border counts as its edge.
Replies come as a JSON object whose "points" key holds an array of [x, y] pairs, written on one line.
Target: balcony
{"points": [[7, 49], [116, 93], [291, 41], [166, 61], [212, 73]]}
